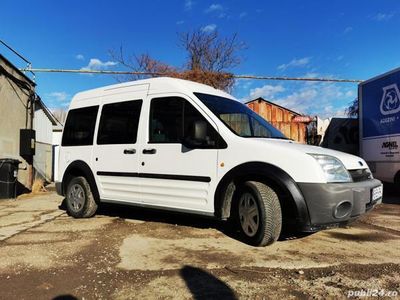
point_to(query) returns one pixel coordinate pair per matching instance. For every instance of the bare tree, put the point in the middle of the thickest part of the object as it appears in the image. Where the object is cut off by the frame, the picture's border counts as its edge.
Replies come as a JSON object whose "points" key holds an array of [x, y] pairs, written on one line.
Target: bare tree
{"points": [[352, 110], [209, 60], [142, 63], [209, 52]]}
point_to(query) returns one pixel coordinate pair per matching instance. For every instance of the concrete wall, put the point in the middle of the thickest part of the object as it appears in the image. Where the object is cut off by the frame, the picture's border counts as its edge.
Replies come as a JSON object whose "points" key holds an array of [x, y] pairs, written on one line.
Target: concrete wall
{"points": [[14, 115]]}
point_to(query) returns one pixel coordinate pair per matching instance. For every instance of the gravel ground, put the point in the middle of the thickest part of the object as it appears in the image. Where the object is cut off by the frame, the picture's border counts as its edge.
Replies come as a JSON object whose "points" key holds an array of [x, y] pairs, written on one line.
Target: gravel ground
{"points": [[125, 253]]}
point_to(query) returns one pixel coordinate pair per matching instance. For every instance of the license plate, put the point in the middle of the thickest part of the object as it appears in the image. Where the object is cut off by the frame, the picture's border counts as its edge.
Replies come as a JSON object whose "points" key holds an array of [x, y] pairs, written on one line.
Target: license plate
{"points": [[377, 193]]}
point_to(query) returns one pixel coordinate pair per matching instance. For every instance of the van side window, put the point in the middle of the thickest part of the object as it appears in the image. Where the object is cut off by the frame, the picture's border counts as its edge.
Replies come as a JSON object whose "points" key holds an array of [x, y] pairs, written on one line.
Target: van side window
{"points": [[166, 116], [119, 123], [79, 127], [172, 120]]}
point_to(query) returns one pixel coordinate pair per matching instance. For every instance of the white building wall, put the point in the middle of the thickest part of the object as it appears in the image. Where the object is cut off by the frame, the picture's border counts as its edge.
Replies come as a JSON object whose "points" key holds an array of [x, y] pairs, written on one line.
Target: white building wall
{"points": [[43, 159], [43, 128], [57, 135]]}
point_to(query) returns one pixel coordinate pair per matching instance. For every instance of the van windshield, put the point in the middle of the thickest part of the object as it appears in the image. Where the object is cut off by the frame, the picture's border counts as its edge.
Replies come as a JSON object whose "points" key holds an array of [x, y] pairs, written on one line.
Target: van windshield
{"points": [[239, 118]]}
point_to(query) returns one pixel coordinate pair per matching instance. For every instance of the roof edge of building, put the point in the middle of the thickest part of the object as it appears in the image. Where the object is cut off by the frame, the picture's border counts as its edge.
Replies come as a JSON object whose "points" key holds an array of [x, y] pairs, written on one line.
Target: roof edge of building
{"points": [[47, 112], [270, 102], [10, 64]]}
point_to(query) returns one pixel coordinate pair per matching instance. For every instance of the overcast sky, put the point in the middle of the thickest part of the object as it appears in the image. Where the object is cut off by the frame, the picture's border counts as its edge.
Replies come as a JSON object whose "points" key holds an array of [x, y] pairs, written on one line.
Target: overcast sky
{"points": [[342, 38]]}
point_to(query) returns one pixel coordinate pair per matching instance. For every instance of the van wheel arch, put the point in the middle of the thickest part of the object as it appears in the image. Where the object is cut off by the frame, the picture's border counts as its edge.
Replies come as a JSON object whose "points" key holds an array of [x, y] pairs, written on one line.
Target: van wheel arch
{"points": [[292, 201], [80, 168]]}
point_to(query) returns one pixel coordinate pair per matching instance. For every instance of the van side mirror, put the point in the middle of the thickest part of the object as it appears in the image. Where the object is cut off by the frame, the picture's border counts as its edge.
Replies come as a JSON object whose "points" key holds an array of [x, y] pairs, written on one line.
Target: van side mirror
{"points": [[197, 136]]}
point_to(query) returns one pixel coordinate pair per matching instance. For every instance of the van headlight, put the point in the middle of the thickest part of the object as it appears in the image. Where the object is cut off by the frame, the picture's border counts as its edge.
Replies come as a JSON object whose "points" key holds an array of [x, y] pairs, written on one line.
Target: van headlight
{"points": [[333, 168]]}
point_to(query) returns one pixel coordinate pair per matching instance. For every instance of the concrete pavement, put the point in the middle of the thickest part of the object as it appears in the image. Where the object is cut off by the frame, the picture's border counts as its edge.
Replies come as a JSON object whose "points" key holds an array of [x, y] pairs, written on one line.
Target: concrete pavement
{"points": [[126, 253]]}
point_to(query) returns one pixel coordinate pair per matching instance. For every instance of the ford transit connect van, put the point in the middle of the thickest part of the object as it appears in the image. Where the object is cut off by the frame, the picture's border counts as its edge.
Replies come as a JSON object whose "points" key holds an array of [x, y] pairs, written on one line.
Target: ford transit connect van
{"points": [[183, 146]]}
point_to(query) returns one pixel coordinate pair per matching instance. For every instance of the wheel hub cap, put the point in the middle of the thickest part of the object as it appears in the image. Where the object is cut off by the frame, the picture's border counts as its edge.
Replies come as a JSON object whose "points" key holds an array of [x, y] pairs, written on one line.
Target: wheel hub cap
{"points": [[77, 197], [248, 214]]}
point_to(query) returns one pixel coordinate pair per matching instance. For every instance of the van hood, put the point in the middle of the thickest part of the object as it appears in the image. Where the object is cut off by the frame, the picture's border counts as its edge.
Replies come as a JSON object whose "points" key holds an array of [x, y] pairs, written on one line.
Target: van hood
{"points": [[350, 161]]}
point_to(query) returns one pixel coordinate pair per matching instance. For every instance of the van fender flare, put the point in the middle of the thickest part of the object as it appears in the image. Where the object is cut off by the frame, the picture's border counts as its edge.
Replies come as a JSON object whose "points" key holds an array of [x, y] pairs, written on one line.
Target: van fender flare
{"points": [[82, 168], [263, 172]]}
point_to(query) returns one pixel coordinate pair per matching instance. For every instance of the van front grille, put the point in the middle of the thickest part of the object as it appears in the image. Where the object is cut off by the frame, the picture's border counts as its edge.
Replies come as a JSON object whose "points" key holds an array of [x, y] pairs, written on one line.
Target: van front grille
{"points": [[360, 175]]}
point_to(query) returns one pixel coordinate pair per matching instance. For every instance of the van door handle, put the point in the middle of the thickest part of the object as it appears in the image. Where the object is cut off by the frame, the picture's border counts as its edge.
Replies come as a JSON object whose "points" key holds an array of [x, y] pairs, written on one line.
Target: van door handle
{"points": [[129, 151], [149, 151]]}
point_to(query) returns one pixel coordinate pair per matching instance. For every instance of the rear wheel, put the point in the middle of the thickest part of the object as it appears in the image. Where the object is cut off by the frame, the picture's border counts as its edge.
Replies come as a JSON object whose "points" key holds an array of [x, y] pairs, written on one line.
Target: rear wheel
{"points": [[80, 200], [258, 213]]}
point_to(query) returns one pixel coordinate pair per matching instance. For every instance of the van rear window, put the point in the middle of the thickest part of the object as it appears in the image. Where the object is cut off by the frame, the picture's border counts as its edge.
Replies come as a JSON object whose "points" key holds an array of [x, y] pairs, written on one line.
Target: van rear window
{"points": [[79, 127]]}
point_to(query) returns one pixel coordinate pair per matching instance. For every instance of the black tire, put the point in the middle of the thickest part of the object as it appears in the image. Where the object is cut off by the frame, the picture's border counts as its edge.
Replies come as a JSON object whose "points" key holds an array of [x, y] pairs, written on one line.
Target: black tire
{"points": [[86, 206], [397, 179], [269, 213]]}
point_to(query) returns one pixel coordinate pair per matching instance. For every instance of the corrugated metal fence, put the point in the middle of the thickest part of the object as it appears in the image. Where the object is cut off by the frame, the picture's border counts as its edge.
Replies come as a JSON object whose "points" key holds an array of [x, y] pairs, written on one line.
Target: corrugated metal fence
{"points": [[281, 118]]}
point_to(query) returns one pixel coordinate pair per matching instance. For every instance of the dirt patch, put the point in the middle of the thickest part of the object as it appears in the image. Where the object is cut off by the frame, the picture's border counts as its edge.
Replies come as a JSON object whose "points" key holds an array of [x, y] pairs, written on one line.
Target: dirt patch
{"points": [[165, 256], [190, 282], [386, 216], [68, 224], [363, 237]]}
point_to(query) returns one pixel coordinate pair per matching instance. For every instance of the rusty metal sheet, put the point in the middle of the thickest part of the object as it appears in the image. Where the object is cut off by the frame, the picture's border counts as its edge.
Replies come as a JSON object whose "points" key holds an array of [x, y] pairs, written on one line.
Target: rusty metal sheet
{"points": [[280, 118]]}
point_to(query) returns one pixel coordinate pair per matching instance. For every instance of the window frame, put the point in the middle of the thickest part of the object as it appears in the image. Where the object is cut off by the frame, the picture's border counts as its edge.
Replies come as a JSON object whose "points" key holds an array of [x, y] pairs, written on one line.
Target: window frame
{"points": [[150, 119], [220, 143], [93, 130], [138, 122]]}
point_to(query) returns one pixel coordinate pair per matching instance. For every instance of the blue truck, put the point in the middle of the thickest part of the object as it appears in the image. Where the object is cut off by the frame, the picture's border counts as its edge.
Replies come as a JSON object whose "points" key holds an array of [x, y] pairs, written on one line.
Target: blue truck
{"points": [[379, 115]]}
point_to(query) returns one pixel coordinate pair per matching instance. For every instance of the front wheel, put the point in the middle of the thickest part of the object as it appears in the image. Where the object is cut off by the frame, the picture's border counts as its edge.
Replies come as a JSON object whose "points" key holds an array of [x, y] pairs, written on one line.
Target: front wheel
{"points": [[258, 213], [80, 200]]}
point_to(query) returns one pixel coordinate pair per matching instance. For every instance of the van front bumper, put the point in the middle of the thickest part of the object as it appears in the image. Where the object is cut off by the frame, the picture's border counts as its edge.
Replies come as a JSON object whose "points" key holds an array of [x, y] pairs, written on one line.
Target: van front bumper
{"points": [[334, 204]]}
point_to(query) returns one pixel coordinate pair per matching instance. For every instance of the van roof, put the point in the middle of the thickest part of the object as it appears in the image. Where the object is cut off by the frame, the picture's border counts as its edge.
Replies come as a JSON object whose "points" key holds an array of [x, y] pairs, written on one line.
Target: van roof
{"points": [[152, 86]]}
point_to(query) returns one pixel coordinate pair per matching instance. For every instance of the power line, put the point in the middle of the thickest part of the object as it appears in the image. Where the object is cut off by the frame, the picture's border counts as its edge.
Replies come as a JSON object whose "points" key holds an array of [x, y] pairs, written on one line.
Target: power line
{"points": [[297, 78], [28, 63], [252, 77], [16, 53]]}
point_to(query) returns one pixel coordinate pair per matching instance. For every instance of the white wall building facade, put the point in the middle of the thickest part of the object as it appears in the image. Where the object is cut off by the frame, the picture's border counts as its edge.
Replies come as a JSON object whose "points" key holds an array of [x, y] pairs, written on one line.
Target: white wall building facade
{"points": [[43, 123]]}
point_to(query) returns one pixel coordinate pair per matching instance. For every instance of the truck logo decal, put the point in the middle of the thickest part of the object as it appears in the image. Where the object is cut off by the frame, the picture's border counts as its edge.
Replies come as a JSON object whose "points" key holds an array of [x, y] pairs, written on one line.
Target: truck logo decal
{"points": [[391, 145], [390, 103]]}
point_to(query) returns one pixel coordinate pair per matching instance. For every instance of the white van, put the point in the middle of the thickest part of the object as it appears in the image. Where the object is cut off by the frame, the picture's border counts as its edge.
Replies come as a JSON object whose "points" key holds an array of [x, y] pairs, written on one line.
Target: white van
{"points": [[178, 145]]}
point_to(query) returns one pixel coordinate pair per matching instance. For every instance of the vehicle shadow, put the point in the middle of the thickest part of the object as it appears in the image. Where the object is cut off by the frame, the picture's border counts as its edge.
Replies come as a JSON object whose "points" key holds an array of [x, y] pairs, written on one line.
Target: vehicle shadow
{"points": [[203, 285], [181, 219], [289, 233], [391, 193], [158, 216], [65, 297]]}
